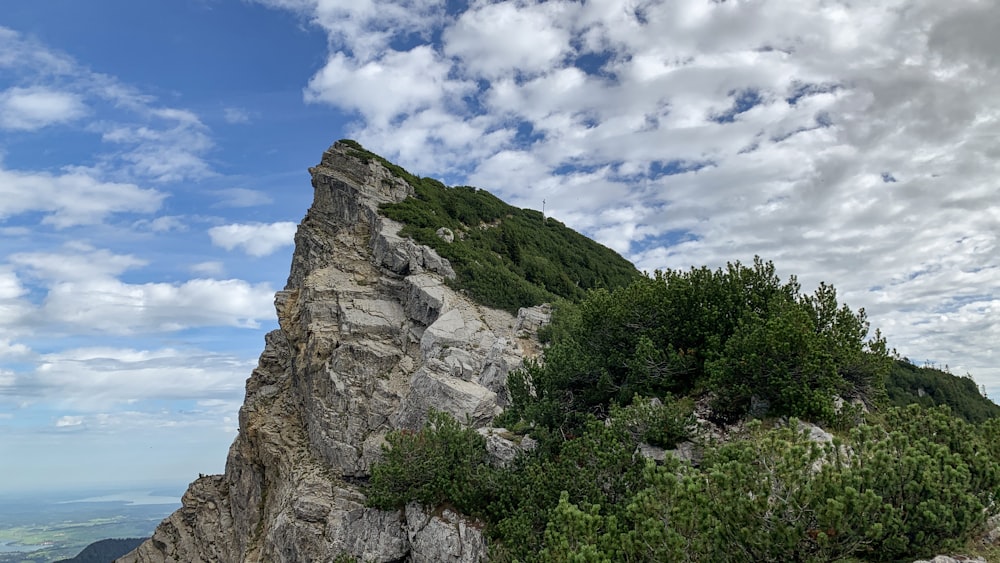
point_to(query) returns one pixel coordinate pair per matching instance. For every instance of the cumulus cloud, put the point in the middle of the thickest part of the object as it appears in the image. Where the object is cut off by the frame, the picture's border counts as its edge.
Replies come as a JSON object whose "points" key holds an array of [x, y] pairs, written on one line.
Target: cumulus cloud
{"points": [[28, 109], [83, 293], [859, 150], [255, 239], [146, 140], [72, 198], [100, 378], [15, 310], [167, 149]]}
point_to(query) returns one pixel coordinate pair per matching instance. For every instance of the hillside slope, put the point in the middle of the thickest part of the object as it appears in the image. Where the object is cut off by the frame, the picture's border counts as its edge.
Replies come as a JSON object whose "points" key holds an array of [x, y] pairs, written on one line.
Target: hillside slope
{"points": [[375, 331]]}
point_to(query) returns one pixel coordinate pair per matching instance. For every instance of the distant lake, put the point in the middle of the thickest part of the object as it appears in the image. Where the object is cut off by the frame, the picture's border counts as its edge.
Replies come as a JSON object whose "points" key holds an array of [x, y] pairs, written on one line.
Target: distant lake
{"points": [[55, 525], [131, 497]]}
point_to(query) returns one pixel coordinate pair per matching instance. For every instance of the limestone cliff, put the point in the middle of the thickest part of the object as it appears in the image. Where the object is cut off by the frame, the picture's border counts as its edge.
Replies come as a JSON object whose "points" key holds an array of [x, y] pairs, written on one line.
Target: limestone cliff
{"points": [[370, 339]]}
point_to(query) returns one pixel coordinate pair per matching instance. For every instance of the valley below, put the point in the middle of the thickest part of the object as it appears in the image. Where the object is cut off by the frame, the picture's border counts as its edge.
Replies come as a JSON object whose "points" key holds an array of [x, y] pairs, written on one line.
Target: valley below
{"points": [[48, 527]]}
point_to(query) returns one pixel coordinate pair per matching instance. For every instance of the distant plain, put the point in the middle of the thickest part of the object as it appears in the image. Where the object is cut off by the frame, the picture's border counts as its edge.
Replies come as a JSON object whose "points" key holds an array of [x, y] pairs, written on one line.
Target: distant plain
{"points": [[45, 527]]}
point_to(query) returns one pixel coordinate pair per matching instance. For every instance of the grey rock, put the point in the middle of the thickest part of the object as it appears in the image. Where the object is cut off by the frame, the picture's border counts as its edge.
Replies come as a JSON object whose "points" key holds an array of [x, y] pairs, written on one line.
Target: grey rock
{"points": [[447, 537], [503, 446], [654, 453], [370, 339], [815, 433], [688, 452], [445, 234]]}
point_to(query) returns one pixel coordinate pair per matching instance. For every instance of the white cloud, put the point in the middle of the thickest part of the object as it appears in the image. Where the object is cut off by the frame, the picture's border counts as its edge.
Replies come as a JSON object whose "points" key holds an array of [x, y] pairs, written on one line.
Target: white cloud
{"points": [[146, 140], [168, 149], [504, 39], [236, 115], [69, 421], [241, 197], [83, 294], [859, 149], [367, 27], [28, 109], [15, 310], [72, 198], [382, 89], [255, 239], [101, 381], [211, 268], [114, 306], [163, 224], [10, 349], [79, 262], [18, 52]]}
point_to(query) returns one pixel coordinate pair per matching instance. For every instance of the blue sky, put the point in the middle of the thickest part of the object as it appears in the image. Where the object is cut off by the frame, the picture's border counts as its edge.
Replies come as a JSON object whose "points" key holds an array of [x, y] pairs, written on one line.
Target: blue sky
{"points": [[153, 164]]}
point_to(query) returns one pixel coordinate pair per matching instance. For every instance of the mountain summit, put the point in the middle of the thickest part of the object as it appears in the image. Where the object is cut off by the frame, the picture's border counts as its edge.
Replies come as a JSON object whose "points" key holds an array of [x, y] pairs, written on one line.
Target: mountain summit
{"points": [[372, 337]]}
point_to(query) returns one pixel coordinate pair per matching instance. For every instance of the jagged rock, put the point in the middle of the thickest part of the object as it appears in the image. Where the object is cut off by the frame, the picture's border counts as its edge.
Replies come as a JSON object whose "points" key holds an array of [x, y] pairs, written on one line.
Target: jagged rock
{"points": [[447, 537], [816, 434], [370, 340], [956, 559], [504, 447], [688, 452], [530, 319]]}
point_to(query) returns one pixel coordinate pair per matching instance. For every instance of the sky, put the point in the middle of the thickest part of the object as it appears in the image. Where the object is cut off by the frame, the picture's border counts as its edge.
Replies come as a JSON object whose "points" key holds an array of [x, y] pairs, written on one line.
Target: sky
{"points": [[153, 168]]}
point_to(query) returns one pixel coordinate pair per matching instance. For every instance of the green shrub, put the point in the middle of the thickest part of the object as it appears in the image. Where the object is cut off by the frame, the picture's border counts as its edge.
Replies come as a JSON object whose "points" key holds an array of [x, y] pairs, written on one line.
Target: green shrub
{"points": [[739, 332], [443, 462]]}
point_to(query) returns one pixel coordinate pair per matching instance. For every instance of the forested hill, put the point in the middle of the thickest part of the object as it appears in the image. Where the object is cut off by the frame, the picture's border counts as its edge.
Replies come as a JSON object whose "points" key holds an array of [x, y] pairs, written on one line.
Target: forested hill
{"points": [[909, 384], [503, 256], [105, 550]]}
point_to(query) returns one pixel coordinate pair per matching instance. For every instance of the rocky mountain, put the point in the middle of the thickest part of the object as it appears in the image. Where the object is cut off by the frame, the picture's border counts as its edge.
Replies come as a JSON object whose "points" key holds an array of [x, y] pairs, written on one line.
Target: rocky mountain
{"points": [[378, 328], [371, 338]]}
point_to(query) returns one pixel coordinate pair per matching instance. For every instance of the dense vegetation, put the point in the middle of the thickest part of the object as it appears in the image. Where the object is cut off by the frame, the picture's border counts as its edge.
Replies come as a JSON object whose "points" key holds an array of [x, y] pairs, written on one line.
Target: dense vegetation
{"points": [[927, 386], [626, 359], [900, 482], [505, 257], [918, 482], [105, 550], [738, 333]]}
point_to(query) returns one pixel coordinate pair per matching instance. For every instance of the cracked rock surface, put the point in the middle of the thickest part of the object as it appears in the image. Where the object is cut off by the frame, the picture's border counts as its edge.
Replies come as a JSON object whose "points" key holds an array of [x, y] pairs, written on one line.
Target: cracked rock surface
{"points": [[370, 339]]}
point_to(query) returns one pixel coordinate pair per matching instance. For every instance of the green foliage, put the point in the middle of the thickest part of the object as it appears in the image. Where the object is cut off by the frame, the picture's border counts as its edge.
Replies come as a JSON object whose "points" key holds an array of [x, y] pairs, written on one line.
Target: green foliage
{"points": [[932, 477], [597, 468], [503, 256], [913, 483], [904, 483], [739, 332], [441, 462], [662, 423], [909, 384], [777, 496]]}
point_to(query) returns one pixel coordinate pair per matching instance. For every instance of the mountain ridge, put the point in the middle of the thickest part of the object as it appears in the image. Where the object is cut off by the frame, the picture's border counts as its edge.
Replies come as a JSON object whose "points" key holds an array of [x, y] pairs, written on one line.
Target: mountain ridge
{"points": [[371, 339], [378, 331]]}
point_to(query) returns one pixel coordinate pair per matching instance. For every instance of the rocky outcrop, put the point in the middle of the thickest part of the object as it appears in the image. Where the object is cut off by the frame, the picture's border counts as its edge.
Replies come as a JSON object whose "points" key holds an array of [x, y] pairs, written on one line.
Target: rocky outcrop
{"points": [[370, 340]]}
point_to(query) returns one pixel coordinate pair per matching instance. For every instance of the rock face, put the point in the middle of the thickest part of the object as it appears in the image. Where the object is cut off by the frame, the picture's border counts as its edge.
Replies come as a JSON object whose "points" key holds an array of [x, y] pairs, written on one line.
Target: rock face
{"points": [[370, 340]]}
